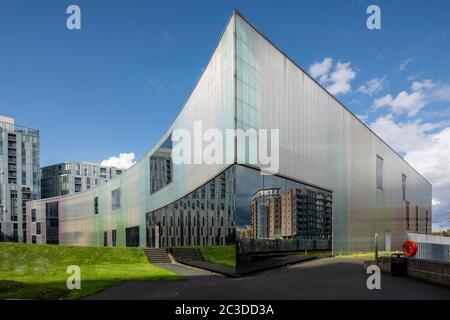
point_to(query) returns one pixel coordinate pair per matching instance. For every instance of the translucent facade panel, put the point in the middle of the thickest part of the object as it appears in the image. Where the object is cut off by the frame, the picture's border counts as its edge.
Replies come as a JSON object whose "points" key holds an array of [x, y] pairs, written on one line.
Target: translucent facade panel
{"points": [[323, 144]]}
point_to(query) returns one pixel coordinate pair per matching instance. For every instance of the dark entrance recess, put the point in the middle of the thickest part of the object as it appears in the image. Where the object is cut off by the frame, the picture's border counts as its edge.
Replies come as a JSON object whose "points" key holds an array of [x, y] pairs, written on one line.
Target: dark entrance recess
{"points": [[132, 236]]}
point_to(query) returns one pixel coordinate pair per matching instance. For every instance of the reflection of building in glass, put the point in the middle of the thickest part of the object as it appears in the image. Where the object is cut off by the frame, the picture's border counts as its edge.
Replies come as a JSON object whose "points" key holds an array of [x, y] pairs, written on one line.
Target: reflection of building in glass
{"points": [[295, 213], [204, 217], [307, 213], [266, 213], [160, 169], [244, 232]]}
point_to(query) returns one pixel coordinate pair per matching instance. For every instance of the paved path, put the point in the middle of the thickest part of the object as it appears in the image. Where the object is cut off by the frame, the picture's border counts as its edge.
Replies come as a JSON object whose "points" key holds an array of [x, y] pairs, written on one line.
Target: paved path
{"points": [[185, 271], [318, 279]]}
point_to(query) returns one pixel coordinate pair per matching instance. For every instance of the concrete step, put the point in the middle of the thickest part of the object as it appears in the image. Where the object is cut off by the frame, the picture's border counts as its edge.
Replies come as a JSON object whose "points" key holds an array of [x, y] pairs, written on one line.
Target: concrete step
{"points": [[157, 255], [186, 254]]}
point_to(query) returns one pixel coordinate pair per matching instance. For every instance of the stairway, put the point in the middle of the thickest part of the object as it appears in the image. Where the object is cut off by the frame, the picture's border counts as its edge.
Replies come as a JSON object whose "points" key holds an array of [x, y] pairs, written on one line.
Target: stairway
{"points": [[157, 255], [186, 254]]}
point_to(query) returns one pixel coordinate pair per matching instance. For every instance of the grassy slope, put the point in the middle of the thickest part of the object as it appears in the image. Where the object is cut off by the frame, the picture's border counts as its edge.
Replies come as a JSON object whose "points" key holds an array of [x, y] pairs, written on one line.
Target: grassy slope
{"points": [[39, 271], [225, 255]]}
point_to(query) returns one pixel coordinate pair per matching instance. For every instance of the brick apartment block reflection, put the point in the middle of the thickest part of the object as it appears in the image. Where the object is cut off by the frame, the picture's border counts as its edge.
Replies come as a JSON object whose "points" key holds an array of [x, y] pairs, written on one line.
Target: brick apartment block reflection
{"points": [[295, 213]]}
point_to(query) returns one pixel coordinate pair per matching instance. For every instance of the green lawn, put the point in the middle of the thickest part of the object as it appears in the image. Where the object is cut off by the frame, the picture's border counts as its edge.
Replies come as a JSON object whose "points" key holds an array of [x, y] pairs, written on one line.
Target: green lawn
{"points": [[367, 255], [225, 255], [30, 271], [319, 254]]}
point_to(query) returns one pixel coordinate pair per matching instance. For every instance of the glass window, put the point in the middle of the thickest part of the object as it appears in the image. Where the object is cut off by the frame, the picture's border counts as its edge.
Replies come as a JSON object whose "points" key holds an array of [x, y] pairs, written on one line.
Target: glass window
{"points": [[33, 215], [132, 236], [115, 197], [96, 205], [407, 215], [38, 228], [403, 187], [380, 172], [417, 219], [161, 166], [114, 237]]}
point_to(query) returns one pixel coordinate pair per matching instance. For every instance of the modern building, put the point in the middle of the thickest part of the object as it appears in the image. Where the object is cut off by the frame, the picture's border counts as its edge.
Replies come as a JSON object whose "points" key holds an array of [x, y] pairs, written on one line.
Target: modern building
{"points": [[249, 83], [306, 214], [300, 213], [19, 177], [71, 177], [266, 213]]}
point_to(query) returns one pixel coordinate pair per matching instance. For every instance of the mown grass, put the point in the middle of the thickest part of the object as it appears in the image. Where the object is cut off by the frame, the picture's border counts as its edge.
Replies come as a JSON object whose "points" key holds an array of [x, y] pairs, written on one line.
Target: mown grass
{"points": [[319, 254], [367, 255], [30, 271], [224, 255]]}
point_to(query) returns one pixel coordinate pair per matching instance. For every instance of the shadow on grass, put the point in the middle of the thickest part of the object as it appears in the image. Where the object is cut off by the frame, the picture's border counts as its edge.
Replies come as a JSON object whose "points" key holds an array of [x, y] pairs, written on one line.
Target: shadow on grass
{"points": [[57, 290]]}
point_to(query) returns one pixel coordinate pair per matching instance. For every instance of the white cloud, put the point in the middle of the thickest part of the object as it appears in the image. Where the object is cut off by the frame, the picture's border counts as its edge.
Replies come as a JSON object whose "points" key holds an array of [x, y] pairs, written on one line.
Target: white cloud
{"points": [[434, 160], [404, 64], [435, 202], [363, 117], [409, 103], [434, 91], [123, 161], [382, 102], [422, 93], [319, 69], [336, 81], [340, 79], [404, 137], [441, 93], [426, 84], [372, 86]]}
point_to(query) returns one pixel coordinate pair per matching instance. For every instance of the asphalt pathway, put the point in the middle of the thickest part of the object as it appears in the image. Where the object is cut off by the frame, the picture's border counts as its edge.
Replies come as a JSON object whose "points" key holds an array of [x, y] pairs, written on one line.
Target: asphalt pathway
{"points": [[318, 279]]}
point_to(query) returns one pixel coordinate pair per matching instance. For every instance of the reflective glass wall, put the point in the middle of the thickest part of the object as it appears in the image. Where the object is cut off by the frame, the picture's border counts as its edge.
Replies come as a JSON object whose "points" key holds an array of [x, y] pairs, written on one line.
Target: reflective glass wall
{"points": [[205, 217], [276, 216]]}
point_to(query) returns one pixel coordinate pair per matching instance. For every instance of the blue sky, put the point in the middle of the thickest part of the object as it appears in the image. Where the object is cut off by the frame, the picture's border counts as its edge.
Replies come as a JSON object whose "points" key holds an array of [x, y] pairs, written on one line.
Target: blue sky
{"points": [[116, 85]]}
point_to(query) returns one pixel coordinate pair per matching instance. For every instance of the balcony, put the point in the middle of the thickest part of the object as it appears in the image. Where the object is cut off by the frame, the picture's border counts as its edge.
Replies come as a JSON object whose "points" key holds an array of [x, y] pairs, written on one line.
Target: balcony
{"points": [[26, 190]]}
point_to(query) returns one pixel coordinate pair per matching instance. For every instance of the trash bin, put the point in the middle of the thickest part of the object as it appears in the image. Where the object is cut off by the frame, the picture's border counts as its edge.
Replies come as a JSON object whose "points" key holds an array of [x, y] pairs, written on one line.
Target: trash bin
{"points": [[399, 265]]}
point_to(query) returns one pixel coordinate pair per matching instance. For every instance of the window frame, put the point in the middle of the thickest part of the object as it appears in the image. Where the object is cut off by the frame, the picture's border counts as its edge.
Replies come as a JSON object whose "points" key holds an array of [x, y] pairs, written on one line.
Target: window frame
{"points": [[379, 176]]}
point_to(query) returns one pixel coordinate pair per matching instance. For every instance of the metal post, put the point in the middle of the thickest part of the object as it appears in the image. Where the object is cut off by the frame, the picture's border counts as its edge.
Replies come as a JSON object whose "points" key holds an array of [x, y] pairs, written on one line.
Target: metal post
{"points": [[376, 248]]}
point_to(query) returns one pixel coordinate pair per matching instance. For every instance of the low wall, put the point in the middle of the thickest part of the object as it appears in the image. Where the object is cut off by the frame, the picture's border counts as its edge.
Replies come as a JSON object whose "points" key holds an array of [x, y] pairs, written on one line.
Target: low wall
{"points": [[254, 246], [436, 272]]}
